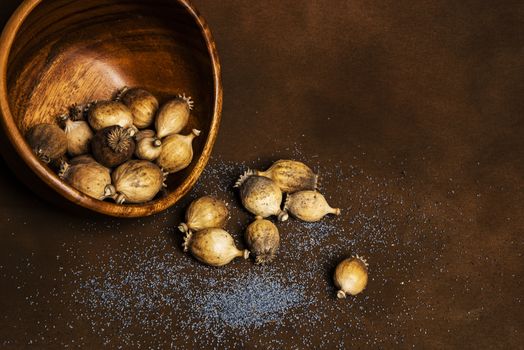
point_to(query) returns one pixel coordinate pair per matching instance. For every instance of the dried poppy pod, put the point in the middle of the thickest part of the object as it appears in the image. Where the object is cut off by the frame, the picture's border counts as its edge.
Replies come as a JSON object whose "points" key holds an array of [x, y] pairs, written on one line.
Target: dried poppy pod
{"points": [[173, 116], [78, 132], [79, 135], [213, 246], [260, 195], [351, 276], [137, 181], [142, 103], [90, 178], [103, 114], [291, 176], [263, 240], [205, 212], [112, 146], [83, 159], [148, 146], [47, 141], [177, 152], [308, 206]]}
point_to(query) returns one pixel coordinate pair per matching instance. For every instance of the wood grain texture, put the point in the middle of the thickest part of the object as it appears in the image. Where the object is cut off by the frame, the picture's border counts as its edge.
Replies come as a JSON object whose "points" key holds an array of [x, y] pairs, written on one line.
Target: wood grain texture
{"points": [[55, 53]]}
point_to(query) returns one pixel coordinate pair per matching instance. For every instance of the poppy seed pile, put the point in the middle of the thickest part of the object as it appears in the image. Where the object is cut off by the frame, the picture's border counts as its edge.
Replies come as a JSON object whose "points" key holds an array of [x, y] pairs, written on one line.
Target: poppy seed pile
{"points": [[145, 293]]}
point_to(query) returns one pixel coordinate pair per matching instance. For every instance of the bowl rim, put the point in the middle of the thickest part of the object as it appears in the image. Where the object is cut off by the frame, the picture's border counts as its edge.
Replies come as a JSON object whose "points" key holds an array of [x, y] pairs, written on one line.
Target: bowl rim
{"points": [[23, 150]]}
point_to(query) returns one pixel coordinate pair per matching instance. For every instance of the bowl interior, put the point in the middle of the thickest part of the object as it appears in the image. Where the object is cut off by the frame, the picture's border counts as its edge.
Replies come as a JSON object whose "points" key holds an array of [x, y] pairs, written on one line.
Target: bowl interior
{"points": [[70, 51]]}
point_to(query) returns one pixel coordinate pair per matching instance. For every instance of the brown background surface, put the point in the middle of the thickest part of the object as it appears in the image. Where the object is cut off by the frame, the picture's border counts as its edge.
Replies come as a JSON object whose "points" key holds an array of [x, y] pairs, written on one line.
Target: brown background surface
{"points": [[426, 96]]}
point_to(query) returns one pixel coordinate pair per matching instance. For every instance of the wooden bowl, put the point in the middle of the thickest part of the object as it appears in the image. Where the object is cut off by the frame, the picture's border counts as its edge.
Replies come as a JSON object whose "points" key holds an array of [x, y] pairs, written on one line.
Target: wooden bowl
{"points": [[57, 52]]}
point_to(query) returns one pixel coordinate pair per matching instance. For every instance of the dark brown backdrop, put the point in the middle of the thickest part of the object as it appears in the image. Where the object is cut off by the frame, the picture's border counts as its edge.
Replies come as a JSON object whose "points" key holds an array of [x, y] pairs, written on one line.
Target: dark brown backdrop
{"points": [[432, 89]]}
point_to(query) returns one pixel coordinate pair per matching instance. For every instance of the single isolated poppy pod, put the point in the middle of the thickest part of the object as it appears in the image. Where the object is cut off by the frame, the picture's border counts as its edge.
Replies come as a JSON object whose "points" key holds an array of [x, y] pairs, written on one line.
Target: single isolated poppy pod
{"points": [[90, 178], [308, 206], [142, 103], [205, 212], [137, 181], [291, 176], [260, 195], [263, 240], [351, 276], [173, 116], [103, 114], [47, 141], [112, 146], [213, 246], [177, 152]]}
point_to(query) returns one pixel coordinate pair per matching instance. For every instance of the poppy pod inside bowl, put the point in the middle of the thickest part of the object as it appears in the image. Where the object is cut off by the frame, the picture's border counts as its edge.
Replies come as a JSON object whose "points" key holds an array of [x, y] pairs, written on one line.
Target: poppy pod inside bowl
{"points": [[54, 53]]}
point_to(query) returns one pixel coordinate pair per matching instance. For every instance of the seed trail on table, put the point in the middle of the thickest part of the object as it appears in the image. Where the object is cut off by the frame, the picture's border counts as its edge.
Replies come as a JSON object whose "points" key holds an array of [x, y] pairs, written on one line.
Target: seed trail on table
{"points": [[147, 289]]}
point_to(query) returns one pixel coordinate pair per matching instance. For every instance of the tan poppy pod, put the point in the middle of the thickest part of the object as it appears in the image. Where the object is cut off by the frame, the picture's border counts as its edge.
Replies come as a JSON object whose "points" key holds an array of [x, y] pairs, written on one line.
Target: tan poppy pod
{"points": [[260, 195], [79, 135], [90, 178], [103, 114], [137, 181], [213, 246], [263, 240], [142, 103], [173, 116], [308, 206], [205, 212], [84, 158], [177, 152], [148, 147], [47, 141], [351, 276], [291, 176]]}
